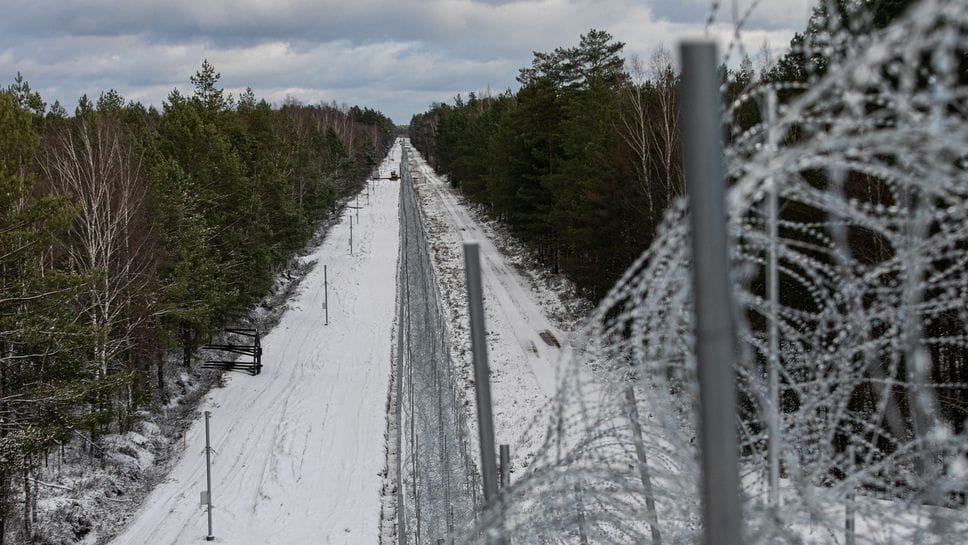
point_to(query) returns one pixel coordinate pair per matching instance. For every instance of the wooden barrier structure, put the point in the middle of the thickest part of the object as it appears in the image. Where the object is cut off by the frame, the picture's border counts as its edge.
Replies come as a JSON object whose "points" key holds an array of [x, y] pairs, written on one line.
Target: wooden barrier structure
{"points": [[253, 367]]}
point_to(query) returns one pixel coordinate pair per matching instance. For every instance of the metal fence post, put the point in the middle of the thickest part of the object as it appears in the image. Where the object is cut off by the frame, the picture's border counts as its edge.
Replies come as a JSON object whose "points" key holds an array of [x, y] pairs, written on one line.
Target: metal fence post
{"points": [[482, 381], [715, 331], [208, 477], [642, 456], [505, 455], [580, 511], [850, 507], [773, 293]]}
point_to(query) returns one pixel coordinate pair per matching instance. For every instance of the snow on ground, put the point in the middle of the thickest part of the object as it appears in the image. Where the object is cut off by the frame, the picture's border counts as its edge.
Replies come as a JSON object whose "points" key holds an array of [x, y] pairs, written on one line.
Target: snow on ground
{"points": [[300, 448], [525, 347]]}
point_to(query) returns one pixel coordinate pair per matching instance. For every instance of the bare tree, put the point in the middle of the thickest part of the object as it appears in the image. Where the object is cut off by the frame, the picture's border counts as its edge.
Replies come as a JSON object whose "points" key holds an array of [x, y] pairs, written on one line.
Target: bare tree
{"points": [[665, 141], [649, 124], [94, 164], [635, 125]]}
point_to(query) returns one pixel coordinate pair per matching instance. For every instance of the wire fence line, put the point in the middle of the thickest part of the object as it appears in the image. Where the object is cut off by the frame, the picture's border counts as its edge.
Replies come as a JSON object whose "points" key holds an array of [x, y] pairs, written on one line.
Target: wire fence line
{"points": [[851, 375], [848, 219], [438, 483]]}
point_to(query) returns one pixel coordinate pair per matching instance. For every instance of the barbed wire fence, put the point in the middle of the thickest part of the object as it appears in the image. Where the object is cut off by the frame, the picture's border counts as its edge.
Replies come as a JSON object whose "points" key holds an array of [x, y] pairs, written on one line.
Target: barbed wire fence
{"points": [[438, 481], [847, 211]]}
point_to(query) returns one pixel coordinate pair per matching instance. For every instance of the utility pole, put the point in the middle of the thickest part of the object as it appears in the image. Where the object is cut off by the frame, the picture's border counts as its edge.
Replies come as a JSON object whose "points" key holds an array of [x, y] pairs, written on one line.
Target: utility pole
{"points": [[208, 477], [325, 295]]}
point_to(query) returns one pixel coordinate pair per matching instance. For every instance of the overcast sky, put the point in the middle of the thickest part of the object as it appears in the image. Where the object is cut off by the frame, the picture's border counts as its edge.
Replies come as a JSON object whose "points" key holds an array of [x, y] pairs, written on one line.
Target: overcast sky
{"points": [[395, 56]]}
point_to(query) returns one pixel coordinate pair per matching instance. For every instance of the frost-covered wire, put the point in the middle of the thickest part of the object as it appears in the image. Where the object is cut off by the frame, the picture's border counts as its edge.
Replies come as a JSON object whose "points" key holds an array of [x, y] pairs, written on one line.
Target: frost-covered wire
{"points": [[872, 319]]}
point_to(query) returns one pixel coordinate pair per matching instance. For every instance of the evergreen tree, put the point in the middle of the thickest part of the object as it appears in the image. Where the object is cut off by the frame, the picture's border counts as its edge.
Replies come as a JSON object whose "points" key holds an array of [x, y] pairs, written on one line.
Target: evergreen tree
{"points": [[208, 96], [206, 200]]}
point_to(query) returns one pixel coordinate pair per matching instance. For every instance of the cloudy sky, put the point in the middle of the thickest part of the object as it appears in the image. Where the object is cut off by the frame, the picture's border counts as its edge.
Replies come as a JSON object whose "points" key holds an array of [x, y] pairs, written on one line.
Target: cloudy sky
{"points": [[396, 56]]}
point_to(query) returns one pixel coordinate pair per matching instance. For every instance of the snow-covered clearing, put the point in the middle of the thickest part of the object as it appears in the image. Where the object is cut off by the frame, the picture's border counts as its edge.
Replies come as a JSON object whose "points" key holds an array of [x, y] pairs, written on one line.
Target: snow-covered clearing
{"points": [[300, 448]]}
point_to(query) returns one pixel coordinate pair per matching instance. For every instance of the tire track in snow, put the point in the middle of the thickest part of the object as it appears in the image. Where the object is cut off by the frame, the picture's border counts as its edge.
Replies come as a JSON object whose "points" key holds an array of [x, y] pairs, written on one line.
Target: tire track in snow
{"points": [[302, 445]]}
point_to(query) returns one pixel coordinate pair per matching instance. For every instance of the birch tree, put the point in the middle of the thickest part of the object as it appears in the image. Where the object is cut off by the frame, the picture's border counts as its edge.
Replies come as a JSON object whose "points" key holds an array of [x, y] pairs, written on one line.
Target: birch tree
{"points": [[649, 126], [665, 139], [93, 164], [44, 371]]}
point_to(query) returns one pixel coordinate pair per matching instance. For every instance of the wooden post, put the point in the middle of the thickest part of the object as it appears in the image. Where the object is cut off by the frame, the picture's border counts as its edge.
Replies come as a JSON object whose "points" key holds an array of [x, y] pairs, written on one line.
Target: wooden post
{"points": [[258, 353]]}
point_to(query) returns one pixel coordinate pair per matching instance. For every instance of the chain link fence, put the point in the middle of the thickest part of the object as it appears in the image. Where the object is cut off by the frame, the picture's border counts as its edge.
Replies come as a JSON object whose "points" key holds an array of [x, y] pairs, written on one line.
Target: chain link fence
{"points": [[439, 484]]}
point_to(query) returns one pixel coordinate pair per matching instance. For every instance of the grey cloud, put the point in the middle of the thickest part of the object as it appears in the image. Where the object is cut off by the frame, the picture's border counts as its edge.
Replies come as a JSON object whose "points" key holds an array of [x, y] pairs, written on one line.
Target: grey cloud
{"points": [[227, 23], [755, 14], [396, 56]]}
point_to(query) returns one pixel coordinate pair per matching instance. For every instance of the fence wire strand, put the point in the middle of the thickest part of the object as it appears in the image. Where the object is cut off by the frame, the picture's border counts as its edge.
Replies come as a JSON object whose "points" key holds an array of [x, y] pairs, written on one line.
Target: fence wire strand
{"points": [[868, 164]]}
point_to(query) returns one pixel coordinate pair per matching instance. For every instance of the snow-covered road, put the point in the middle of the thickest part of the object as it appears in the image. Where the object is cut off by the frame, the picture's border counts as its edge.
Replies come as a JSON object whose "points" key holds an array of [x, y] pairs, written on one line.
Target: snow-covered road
{"points": [[525, 348], [300, 448], [513, 314]]}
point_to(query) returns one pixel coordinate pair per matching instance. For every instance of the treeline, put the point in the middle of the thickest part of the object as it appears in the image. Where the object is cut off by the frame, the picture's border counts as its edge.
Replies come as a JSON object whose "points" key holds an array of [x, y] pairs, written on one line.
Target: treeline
{"points": [[127, 232], [580, 162], [583, 160]]}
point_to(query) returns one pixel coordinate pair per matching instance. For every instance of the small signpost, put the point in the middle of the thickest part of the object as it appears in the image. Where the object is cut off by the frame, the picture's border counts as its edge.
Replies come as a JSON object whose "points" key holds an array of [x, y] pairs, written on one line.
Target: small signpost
{"points": [[325, 295], [253, 367]]}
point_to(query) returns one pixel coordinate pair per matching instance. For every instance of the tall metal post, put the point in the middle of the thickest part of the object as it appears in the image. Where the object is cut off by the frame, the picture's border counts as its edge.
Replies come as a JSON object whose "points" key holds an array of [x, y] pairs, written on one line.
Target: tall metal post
{"points": [[351, 234], [850, 537], [580, 509], [482, 381], [505, 455], [715, 331], [639, 439], [357, 208], [773, 422], [208, 476], [325, 295]]}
